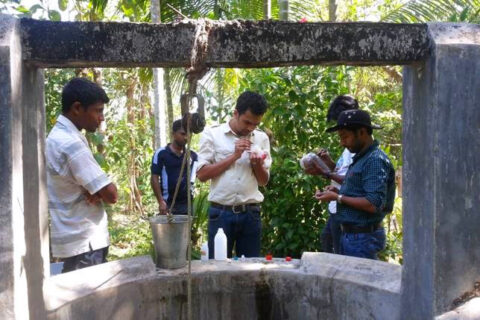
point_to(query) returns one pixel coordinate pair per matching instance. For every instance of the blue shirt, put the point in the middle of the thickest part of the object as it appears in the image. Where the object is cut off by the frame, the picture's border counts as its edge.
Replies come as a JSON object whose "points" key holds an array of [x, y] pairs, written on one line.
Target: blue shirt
{"points": [[167, 165], [371, 176]]}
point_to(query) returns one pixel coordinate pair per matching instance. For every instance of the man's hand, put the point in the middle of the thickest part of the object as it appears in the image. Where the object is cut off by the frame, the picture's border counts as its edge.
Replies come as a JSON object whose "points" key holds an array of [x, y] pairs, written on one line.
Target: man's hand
{"points": [[92, 199], [326, 196], [241, 145], [325, 156], [162, 207], [312, 168], [257, 160], [331, 188]]}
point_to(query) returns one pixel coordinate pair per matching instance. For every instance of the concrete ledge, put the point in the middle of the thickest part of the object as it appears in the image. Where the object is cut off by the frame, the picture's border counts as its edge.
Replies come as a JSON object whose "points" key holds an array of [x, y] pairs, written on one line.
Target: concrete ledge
{"points": [[454, 33], [246, 44], [469, 311], [67, 287], [318, 286]]}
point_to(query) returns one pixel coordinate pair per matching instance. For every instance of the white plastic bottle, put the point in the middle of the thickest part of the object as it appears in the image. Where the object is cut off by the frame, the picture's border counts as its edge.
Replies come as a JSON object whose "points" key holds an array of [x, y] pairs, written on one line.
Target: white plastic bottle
{"points": [[220, 248], [204, 252]]}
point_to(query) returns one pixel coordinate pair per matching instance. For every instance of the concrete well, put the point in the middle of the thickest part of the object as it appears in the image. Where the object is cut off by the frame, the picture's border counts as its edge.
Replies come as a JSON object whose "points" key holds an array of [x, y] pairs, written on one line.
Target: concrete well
{"points": [[441, 177], [319, 286]]}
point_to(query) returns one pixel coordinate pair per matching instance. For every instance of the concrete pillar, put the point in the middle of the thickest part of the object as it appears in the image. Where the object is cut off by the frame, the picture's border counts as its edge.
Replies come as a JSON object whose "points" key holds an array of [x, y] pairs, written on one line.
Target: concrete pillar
{"points": [[24, 259], [13, 280], [441, 189], [37, 255]]}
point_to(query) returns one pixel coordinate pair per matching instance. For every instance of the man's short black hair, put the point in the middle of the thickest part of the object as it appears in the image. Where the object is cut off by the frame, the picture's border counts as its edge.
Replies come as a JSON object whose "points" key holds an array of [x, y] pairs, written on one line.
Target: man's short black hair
{"points": [[252, 101], [84, 91], [339, 104], [177, 125]]}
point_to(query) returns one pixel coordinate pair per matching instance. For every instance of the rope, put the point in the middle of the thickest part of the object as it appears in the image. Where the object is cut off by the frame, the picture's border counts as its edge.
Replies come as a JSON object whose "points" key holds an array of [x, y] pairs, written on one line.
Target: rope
{"points": [[198, 68], [195, 72], [198, 56], [190, 220]]}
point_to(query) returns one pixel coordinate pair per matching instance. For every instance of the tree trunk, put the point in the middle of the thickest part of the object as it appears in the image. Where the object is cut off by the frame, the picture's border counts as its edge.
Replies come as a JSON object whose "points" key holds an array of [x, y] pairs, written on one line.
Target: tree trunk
{"points": [[98, 79], [284, 8], [168, 94], [135, 198], [158, 89], [267, 9], [220, 92], [332, 10]]}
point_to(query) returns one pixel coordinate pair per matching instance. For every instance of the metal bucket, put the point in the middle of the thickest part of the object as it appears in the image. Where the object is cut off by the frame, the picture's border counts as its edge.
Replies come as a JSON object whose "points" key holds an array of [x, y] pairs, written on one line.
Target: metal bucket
{"points": [[170, 237]]}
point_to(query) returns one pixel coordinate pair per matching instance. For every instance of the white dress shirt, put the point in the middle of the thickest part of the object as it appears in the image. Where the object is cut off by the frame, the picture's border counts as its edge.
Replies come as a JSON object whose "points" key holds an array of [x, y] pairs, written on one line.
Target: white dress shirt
{"points": [[76, 226], [341, 169], [236, 185]]}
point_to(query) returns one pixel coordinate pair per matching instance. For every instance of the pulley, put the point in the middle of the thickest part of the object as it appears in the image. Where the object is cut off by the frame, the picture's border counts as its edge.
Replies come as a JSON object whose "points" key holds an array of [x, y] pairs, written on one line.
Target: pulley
{"points": [[197, 119]]}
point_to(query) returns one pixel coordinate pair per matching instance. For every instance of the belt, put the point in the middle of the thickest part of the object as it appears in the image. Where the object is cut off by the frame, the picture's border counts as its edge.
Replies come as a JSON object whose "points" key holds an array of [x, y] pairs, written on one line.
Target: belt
{"points": [[239, 208], [349, 228]]}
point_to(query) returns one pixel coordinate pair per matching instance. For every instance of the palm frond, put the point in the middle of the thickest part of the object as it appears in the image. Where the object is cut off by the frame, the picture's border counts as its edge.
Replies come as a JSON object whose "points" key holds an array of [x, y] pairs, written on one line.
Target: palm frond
{"points": [[303, 9], [436, 10]]}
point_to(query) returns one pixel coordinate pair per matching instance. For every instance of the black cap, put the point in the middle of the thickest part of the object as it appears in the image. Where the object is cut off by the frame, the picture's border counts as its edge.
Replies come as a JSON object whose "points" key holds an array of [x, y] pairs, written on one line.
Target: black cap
{"points": [[351, 118]]}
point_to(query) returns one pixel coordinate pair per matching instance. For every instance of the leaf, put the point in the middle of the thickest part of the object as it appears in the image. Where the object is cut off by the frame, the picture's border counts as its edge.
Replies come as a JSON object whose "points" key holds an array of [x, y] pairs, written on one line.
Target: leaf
{"points": [[63, 4], [22, 9], [54, 15]]}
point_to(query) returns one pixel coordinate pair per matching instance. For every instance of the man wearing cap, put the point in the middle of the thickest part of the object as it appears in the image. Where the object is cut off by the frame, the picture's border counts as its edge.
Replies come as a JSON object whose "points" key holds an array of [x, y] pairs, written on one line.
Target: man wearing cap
{"points": [[331, 233], [368, 190]]}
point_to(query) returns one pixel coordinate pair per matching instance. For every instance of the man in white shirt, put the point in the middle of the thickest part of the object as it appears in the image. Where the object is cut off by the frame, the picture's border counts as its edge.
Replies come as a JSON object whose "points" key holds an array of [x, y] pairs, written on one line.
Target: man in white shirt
{"points": [[330, 237], [77, 186], [235, 156]]}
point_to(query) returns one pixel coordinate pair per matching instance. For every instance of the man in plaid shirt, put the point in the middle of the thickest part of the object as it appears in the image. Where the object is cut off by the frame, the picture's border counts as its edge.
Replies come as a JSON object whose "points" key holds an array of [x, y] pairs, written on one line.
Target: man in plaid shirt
{"points": [[367, 193]]}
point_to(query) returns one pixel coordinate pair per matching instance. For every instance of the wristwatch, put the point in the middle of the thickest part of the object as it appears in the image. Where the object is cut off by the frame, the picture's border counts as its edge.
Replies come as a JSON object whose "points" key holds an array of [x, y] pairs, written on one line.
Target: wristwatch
{"points": [[339, 198]]}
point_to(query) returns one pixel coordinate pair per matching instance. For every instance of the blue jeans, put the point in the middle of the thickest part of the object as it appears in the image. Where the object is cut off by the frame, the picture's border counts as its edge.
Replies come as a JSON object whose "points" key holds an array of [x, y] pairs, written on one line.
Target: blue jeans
{"points": [[330, 236], [363, 245], [243, 231]]}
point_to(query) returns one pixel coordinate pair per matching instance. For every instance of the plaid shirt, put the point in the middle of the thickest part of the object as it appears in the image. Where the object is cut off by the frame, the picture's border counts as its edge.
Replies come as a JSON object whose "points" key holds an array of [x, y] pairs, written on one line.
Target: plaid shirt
{"points": [[370, 176]]}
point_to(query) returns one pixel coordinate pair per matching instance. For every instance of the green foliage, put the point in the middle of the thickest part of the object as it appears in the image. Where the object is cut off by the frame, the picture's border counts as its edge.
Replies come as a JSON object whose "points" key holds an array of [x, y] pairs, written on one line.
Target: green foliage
{"points": [[130, 237], [393, 224], [135, 10], [55, 79], [200, 209], [39, 10]]}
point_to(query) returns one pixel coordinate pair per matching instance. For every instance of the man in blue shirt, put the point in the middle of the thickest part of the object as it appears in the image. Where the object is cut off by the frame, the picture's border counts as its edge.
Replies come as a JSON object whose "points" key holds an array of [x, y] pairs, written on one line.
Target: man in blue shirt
{"points": [[331, 234], [368, 190], [165, 171]]}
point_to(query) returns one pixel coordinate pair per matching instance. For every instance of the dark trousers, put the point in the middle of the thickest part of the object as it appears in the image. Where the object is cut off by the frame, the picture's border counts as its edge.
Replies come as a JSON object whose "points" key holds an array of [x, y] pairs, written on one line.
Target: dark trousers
{"points": [[86, 259], [330, 236], [243, 231], [181, 208], [363, 245]]}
